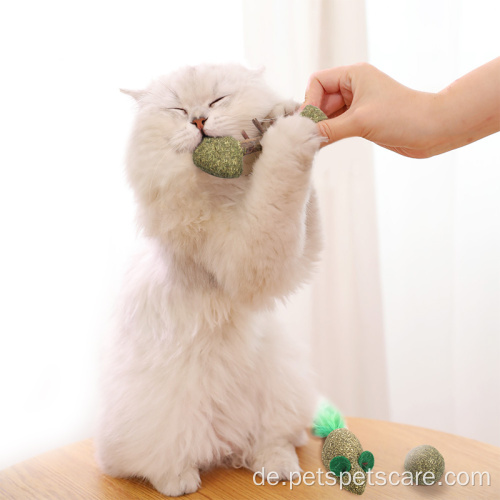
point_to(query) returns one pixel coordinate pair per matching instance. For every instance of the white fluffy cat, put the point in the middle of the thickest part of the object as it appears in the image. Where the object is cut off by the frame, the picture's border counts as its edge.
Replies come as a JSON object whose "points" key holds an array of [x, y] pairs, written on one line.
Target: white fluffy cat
{"points": [[198, 373]]}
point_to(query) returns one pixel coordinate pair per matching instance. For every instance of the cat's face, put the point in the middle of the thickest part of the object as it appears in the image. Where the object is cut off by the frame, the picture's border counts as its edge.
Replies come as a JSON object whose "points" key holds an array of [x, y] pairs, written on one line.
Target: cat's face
{"points": [[200, 101]]}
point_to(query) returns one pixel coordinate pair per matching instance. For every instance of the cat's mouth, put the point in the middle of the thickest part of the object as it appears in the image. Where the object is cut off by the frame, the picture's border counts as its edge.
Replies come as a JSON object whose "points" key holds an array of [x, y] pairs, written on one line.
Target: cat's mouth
{"points": [[212, 135], [204, 134]]}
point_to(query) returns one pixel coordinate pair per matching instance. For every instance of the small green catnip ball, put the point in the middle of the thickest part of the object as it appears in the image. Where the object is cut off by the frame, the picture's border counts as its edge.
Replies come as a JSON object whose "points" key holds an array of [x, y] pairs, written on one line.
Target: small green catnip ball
{"points": [[219, 156], [425, 464], [313, 113]]}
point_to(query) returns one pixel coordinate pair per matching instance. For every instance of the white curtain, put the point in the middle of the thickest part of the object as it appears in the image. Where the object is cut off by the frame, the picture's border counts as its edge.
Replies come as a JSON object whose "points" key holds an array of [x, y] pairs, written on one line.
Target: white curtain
{"points": [[439, 222], [340, 312]]}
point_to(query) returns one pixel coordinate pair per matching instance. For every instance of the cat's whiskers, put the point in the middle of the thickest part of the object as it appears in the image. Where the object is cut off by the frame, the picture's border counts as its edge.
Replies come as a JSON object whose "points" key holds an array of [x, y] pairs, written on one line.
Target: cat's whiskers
{"points": [[183, 140], [233, 125]]}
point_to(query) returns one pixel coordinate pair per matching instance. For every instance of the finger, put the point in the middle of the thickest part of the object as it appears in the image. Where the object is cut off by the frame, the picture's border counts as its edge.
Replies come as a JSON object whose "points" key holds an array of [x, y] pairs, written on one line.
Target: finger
{"points": [[314, 92], [326, 81], [338, 128], [331, 105], [325, 89]]}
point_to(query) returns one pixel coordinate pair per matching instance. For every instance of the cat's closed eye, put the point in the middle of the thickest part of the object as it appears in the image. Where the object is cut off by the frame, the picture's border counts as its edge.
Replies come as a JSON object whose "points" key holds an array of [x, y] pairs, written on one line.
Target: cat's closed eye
{"points": [[217, 100], [178, 109]]}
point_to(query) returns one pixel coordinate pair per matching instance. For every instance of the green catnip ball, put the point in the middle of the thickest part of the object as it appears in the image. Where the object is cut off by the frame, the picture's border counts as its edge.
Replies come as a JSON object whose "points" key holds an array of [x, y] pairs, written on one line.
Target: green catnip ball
{"points": [[425, 464], [219, 156], [313, 113]]}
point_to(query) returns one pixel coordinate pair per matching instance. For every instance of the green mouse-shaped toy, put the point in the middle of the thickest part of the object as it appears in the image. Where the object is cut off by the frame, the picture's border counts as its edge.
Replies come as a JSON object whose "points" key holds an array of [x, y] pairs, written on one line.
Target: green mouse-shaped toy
{"points": [[342, 452]]}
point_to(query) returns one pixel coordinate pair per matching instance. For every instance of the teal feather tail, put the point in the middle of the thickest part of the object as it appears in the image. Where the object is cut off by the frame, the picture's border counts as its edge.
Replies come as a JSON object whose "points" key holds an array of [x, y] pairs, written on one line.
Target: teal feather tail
{"points": [[327, 419]]}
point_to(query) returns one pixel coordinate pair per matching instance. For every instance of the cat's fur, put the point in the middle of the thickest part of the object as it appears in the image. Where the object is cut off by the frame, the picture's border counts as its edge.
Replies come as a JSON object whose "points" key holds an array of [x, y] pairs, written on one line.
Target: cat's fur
{"points": [[198, 372]]}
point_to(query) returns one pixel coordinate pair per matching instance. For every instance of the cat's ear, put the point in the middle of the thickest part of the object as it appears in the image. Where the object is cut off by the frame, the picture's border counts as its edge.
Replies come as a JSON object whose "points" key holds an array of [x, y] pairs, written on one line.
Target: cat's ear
{"points": [[136, 94], [258, 71]]}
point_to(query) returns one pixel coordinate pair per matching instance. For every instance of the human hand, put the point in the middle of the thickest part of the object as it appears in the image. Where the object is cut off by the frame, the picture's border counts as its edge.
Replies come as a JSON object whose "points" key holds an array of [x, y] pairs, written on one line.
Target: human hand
{"points": [[362, 101]]}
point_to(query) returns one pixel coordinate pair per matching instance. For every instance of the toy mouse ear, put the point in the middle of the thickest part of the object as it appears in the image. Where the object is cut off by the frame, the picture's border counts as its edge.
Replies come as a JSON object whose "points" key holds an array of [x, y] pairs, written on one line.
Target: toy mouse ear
{"points": [[366, 460], [339, 465], [136, 94]]}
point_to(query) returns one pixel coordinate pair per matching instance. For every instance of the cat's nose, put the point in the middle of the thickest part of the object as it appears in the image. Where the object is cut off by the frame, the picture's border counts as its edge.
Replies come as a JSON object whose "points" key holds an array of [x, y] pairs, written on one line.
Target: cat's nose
{"points": [[199, 122]]}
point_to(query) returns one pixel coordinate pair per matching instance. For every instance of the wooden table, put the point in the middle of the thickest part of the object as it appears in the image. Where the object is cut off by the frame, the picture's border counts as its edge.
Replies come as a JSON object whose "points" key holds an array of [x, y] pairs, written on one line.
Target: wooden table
{"points": [[71, 472]]}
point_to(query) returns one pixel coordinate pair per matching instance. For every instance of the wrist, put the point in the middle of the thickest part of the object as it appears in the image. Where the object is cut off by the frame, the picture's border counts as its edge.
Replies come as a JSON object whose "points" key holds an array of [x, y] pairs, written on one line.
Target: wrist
{"points": [[437, 124], [441, 124], [426, 129]]}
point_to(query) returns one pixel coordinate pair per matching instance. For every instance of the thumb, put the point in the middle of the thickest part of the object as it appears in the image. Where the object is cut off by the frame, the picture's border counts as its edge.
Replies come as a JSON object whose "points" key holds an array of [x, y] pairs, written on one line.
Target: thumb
{"points": [[337, 128]]}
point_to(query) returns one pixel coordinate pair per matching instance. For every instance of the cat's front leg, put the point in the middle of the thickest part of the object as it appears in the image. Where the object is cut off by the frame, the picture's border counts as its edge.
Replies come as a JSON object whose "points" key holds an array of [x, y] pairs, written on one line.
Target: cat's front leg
{"points": [[278, 458], [283, 108], [281, 176], [269, 248]]}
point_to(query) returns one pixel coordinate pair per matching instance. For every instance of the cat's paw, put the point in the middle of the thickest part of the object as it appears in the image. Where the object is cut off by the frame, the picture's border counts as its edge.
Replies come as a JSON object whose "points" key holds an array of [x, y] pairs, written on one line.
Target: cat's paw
{"points": [[176, 485], [280, 461], [294, 135], [283, 108]]}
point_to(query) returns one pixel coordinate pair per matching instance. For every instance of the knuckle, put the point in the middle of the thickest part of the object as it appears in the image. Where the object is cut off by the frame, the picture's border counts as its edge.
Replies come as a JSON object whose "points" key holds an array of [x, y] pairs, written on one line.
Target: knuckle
{"points": [[314, 76], [363, 65]]}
